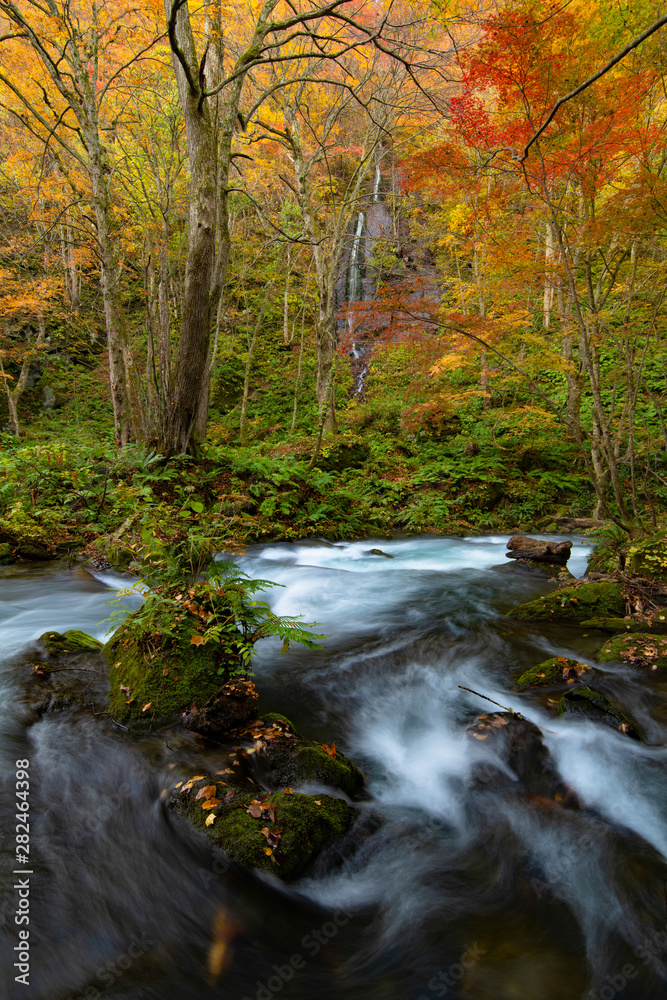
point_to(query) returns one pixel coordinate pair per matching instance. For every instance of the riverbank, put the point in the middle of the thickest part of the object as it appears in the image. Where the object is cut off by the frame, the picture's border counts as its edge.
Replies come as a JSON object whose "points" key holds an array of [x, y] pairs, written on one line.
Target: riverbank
{"points": [[60, 499]]}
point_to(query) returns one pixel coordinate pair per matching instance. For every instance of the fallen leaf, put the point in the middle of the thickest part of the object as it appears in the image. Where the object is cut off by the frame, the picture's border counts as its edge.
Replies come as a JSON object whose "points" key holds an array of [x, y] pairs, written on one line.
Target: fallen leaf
{"points": [[226, 770], [210, 819], [480, 736], [254, 810], [206, 792], [220, 954], [147, 706], [331, 751], [130, 700], [124, 689], [116, 665], [288, 791], [229, 796], [268, 850], [165, 672], [197, 640], [211, 803], [318, 802]]}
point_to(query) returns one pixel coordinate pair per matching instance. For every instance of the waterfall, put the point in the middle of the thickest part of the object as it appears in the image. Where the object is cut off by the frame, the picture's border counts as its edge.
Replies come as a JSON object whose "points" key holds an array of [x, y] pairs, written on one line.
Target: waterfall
{"points": [[354, 289]]}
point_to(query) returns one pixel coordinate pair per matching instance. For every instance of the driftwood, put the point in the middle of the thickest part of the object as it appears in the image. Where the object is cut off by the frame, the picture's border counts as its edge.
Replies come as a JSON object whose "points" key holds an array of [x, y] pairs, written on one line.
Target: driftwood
{"points": [[537, 550]]}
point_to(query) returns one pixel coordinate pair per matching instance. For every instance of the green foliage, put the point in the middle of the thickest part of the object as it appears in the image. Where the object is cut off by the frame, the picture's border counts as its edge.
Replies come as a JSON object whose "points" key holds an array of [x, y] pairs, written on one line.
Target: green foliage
{"points": [[221, 611]]}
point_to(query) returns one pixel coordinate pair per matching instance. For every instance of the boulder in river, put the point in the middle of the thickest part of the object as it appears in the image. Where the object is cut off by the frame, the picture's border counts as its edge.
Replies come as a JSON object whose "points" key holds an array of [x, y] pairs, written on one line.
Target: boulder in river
{"points": [[595, 706], [555, 670], [640, 649], [286, 759], [524, 763], [655, 626], [603, 599], [71, 642], [279, 832]]}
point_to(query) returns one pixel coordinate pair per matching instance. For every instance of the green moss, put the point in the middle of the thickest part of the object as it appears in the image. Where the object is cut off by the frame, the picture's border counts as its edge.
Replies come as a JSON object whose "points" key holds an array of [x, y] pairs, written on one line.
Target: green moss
{"points": [[657, 626], [574, 604], [72, 641], [270, 717], [5, 552], [308, 824], [649, 557], [301, 763], [640, 649], [593, 705], [550, 672], [190, 678]]}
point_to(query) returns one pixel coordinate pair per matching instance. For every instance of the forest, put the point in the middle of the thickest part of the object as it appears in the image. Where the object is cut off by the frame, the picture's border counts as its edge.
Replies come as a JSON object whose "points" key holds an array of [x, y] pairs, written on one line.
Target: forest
{"points": [[332, 267], [313, 314]]}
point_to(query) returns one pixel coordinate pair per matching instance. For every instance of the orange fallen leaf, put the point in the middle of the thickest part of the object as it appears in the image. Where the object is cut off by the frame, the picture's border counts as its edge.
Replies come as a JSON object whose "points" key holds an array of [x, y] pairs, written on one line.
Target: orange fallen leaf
{"points": [[210, 819], [480, 736], [318, 802], [197, 640], [147, 706], [165, 672], [206, 792], [288, 791], [268, 850], [211, 803]]}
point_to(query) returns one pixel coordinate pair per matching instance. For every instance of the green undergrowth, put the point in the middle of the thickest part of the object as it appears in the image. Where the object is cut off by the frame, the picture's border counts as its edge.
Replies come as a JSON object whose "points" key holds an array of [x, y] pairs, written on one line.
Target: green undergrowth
{"points": [[63, 493]]}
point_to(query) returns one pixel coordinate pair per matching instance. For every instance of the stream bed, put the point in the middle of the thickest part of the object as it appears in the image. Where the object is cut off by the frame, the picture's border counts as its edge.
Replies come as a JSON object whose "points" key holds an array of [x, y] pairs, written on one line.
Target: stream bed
{"points": [[444, 888]]}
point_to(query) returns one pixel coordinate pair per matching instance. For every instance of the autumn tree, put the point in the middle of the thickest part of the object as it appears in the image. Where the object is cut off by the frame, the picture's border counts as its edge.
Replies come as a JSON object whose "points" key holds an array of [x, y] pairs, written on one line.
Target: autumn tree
{"points": [[563, 247]]}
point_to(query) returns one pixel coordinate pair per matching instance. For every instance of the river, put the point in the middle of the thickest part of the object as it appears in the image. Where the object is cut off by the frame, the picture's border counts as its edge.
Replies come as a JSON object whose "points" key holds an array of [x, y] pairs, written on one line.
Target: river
{"points": [[443, 887]]}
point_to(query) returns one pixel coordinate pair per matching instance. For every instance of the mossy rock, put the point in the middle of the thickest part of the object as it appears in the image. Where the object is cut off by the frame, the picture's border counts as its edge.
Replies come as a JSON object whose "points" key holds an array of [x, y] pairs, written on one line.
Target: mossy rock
{"points": [[574, 604], [595, 706], [641, 649], [299, 827], [295, 763], [556, 670], [657, 626], [345, 454], [270, 717], [34, 552], [170, 681], [56, 701], [649, 557], [5, 553], [72, 641]]}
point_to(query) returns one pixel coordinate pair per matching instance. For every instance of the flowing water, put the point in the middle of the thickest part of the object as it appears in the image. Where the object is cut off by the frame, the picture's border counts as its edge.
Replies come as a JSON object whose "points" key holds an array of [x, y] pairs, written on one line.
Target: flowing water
{"points": [[446, 886]]}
